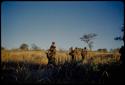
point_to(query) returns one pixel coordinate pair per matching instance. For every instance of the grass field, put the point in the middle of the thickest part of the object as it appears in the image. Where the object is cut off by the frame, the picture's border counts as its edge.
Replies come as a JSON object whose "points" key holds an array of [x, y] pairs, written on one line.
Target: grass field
{"points": [[31, 67], [61, 57]]}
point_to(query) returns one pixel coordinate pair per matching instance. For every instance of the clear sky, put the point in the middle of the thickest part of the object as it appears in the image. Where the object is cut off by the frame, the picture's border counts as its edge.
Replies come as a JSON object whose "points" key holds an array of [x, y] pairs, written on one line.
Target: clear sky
{"points": [[63, 22]]}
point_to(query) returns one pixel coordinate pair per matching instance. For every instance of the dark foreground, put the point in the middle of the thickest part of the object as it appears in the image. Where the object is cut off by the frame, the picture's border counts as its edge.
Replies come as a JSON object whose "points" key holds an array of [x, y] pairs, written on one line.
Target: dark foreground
{"points": [[21, 72]]}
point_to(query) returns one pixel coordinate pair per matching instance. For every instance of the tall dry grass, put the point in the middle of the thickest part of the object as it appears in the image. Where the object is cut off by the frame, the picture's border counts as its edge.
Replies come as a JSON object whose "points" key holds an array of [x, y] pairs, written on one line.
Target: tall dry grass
{"points": [[24, 56], [39, 57]]}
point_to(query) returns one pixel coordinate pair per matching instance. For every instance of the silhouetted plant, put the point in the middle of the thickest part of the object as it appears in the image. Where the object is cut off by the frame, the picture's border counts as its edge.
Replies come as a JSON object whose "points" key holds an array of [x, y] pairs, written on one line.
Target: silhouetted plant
{"points": [[24, 46], [88, 38]]}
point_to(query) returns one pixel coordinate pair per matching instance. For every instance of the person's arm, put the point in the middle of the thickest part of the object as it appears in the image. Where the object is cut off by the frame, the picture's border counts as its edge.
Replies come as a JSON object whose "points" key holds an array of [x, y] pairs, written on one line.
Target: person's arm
{"points": [[54, 46]]}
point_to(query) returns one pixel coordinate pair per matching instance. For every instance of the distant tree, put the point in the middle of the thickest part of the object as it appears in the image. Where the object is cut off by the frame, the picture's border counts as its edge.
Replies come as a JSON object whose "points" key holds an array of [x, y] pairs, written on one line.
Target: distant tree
{"points": [[24, 46], [105, 50], [34, 47], [122, 49], [120, 38], [102, 50], [2, 48], [90, 45], [15, 49], [88, 38]]}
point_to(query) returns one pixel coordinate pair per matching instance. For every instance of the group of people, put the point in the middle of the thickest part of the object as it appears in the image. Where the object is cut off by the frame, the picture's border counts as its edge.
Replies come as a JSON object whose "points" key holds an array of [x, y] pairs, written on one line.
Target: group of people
{"points": [[51, 53], [76, 52]]}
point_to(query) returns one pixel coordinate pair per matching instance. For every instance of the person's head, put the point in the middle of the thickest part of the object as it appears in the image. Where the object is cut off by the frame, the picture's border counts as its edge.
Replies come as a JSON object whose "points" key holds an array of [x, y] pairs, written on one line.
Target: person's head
{"points": [[84, 47], [53, 43]]}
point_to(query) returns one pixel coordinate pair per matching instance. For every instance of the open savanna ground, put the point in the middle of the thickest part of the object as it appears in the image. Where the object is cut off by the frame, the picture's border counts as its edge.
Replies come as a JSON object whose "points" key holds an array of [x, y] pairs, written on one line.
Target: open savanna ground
{"points": [[40, 57], [31, 67]]}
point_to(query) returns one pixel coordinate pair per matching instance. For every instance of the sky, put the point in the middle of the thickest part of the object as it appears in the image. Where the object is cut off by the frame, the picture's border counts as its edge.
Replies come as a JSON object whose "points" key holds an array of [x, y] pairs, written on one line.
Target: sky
{"points": [[63, 22]]}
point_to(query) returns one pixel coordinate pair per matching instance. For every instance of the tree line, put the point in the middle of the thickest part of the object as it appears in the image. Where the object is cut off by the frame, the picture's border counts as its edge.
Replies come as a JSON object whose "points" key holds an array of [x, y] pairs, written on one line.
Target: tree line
{"points": [[86, 38]]}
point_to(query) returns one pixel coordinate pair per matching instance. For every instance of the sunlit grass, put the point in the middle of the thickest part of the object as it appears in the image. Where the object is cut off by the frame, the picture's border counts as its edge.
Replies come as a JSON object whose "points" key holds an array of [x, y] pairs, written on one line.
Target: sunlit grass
{"points": [[31, 66], [39, 57], [24, 56]]}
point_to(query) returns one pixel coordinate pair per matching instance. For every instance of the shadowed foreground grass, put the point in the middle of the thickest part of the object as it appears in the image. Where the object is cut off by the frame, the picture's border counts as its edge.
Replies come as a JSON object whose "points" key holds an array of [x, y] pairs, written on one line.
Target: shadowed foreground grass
{"points": [[31, 67], [21, 72]]}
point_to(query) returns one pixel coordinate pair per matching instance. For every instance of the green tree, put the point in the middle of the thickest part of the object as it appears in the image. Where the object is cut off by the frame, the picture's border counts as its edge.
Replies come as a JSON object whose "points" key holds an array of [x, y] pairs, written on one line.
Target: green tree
{"points": [[24, 46], [120, 38], [88, 38], [102, 50]]}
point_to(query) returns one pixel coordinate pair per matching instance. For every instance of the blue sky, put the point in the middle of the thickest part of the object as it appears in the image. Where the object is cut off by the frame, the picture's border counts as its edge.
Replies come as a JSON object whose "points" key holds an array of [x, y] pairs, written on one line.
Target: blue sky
{"points": [[61, 21]]}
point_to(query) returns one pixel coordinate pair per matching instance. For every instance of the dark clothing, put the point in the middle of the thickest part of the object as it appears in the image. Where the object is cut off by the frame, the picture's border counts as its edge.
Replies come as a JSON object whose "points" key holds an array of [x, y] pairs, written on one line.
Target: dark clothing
{"points": [[71, 53], [121, 51], [83, 53], [51, 54]]}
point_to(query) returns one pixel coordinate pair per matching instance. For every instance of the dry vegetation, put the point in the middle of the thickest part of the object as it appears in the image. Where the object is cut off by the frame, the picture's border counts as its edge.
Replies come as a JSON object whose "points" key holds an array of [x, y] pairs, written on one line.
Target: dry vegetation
{"points": [[24, 56], [39, 57], [31, 67]]}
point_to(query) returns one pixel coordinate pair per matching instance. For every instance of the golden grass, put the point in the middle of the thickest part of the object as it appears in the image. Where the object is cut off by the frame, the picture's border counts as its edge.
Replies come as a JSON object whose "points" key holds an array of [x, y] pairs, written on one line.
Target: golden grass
{"points": [[25, 56], [39, 57]]}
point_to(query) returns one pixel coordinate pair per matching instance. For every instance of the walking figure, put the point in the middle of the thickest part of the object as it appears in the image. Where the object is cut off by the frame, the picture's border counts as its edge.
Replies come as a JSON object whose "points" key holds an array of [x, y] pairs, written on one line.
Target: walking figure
{"points": [[76, 53], [71, 53], [51, 54], [84, 53]]}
